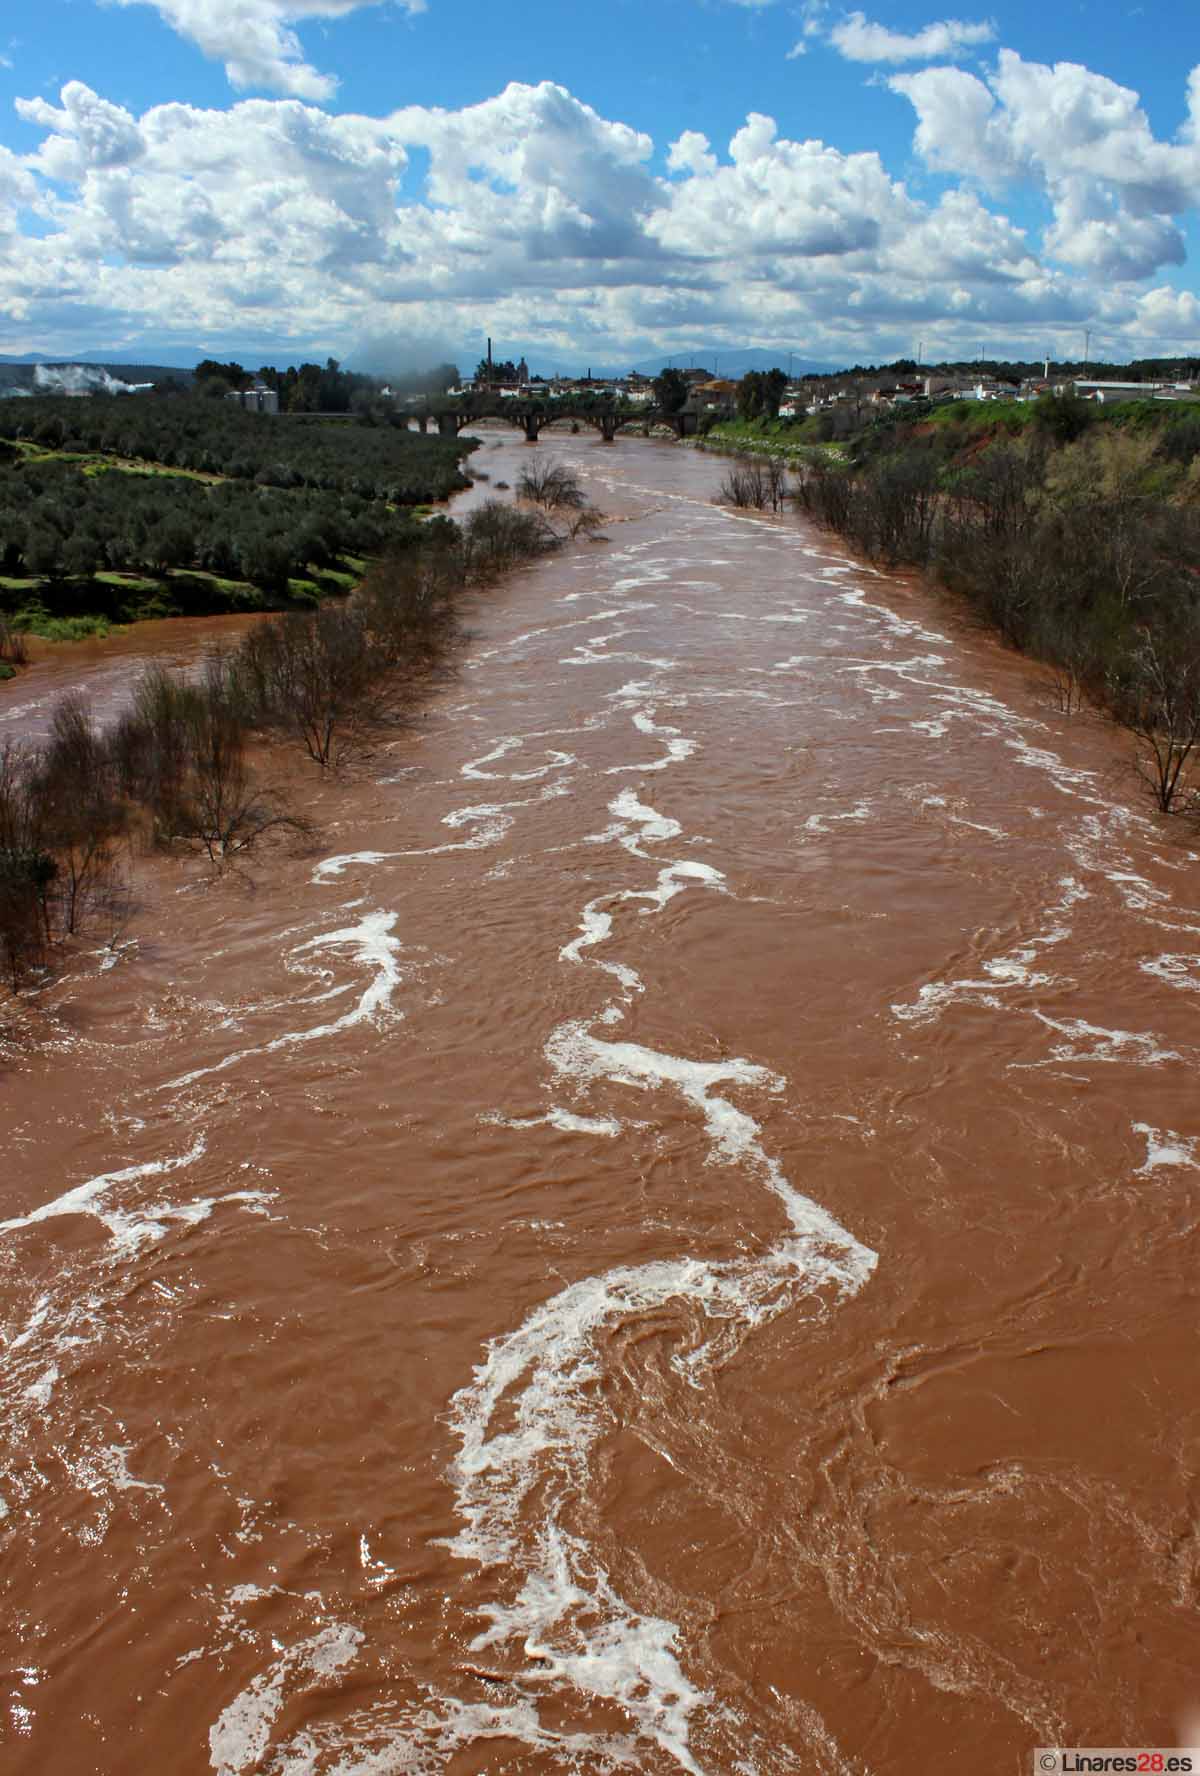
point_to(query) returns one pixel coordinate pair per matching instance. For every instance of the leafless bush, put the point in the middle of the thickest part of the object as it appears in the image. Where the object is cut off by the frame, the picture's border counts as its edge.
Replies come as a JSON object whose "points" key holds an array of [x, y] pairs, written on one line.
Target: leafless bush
{"points": [[746, 484], [221, 809], [407, 606], [497, 538], [80, 811], [13, 649], [552, 486], [1159, 702], [586, 524], [27, 870]]}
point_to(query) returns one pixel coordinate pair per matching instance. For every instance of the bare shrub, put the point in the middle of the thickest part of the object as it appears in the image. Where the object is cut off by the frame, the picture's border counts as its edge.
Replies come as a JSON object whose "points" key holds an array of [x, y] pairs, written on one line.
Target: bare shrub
{"points": [[27, 870], [1159, 702], [80, 811], [497, 538], [406, 603], [221, 809], [13, 649], [586, 524], [552, 486], [746, 484]]}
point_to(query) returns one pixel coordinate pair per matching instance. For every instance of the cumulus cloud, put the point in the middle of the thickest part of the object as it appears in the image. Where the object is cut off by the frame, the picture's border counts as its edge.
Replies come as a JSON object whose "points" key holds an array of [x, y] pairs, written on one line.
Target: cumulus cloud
{"points": [[255, 39], [859, 40], [86, 132], [538, 219], [1081, 138], [777, 197]]}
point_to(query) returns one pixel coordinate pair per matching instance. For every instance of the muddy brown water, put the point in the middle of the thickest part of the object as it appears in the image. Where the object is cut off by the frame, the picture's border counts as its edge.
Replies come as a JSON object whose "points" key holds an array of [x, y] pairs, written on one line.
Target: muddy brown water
{"points": [[668, 1245]]}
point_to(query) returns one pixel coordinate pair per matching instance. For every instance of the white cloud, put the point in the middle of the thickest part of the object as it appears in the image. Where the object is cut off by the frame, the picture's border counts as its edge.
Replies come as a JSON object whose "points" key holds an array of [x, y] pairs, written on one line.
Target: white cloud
{"points": [[87, 132], [859, 40], [691, 154], [255, 39], [540, 220], [778, 197], [1081, 138]]}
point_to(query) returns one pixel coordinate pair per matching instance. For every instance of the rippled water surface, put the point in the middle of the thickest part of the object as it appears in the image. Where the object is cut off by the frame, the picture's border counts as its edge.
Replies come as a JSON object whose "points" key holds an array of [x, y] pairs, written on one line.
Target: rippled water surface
{"points": [[669, 1244]]}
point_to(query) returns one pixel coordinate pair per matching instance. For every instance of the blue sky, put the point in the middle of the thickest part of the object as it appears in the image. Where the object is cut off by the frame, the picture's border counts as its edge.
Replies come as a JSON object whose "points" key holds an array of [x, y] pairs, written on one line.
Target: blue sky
{"points": [[596, 183]]}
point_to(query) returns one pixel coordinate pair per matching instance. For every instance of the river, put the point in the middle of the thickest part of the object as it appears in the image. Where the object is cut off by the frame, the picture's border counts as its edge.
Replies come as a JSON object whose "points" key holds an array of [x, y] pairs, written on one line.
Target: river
{"points": [[668, 1244]]}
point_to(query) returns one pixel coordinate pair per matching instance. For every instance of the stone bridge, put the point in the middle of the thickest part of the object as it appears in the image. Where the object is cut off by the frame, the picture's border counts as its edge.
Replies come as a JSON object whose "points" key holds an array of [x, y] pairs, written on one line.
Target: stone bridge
{"points": [[532, 416]]}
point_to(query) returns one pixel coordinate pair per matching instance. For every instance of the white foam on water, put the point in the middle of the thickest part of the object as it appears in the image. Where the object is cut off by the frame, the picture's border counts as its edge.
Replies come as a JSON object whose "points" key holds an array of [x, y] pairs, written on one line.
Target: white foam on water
{"points": [[513, 743], [856, 599], [371, 945], [129, 1228], [1165, 1148], [655, 826], [565, 1120], [515, 1481], [583, 655], [1182, 972], [1016, 968], [37, 1320], [1067, 779], [479, 656], [678, 747], [39, 1393], [493, 820], [438, 1732], [116, 952], [379, 1573], [820, 823], [567, 1614], [242, 1732], [112, 1467], [1093, 1043]]}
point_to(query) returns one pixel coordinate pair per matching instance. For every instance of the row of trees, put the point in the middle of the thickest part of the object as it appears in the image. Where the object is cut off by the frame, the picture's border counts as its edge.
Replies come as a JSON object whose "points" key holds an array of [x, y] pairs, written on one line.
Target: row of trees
{"points": [[174, 771], [307, 388], [1081, 550], [759, 394], [382, 462], [59, 523]]}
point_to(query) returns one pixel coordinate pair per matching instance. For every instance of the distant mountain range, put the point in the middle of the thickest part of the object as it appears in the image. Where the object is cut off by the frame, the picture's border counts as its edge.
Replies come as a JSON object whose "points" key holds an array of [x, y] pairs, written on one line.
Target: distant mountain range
{"points": [[735, 364]]}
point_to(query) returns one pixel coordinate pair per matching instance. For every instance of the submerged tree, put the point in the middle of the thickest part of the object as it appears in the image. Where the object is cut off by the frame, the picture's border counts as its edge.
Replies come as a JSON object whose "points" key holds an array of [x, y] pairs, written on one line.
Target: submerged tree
{"points": [[1160, 704]]}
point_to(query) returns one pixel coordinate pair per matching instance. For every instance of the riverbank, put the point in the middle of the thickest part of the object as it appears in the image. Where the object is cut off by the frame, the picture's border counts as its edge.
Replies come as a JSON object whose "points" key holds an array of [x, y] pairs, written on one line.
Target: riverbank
{"points": [[776, 439]]}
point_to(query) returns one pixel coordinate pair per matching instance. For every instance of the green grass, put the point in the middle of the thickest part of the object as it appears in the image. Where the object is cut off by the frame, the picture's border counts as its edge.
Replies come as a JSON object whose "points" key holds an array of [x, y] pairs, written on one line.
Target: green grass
{"points": [[36, 620], [106, 465], [94, 462], [125, 582], [73, 610], [983, 416], [788, 438]]}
